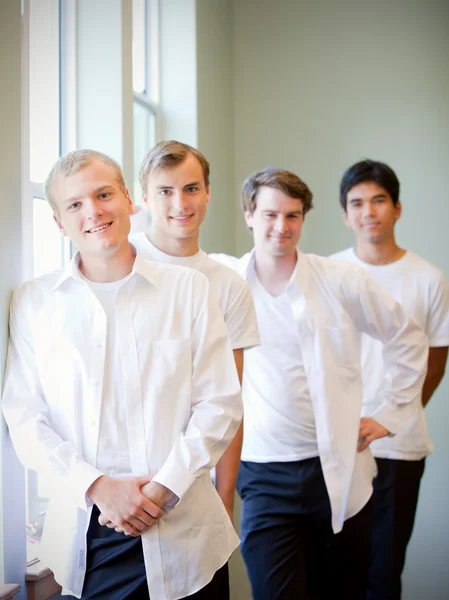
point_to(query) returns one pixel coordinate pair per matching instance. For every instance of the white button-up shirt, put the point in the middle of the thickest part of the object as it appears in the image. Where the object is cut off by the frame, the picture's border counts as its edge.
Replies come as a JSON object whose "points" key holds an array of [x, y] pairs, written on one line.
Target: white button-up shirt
{"points": [[333, 303], [183, 407]]}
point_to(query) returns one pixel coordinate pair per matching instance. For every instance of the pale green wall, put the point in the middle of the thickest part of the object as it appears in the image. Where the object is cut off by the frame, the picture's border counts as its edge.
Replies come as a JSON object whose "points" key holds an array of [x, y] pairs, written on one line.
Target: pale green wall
{"points": [[215, 118], [196, 99], [320, 84]]}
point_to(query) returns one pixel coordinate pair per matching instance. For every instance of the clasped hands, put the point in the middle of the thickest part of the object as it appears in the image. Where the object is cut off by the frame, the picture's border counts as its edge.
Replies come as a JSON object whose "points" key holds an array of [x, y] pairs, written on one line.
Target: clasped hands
{"points": [[130, 505]]}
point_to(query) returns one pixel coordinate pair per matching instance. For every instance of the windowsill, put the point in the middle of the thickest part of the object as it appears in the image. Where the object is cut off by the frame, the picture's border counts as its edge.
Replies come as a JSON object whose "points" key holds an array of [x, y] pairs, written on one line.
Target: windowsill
{"points": [[9, 590], [40, 582]]}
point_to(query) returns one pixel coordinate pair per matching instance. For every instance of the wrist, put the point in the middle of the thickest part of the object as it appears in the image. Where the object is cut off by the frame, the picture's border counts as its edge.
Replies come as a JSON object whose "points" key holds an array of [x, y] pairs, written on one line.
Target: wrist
{"points": [[95, 487]]}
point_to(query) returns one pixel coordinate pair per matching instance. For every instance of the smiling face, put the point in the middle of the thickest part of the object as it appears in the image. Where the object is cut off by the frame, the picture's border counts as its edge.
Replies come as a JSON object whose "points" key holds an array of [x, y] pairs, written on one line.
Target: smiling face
{"points": [[177, 198], [92, 209], [276, 222], [370, 213]]}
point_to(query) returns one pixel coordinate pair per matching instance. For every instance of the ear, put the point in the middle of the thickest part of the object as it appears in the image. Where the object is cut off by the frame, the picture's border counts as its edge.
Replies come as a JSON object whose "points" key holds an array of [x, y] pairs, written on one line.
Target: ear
{"points": [[397, 211], [57, 220], [208, 194], [130, 202], [345, 218], [145, 200], [249, 219]]}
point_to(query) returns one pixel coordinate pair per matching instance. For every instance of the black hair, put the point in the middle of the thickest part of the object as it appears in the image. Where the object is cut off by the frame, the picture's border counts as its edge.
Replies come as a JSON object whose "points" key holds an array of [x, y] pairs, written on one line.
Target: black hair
{"points": [[369, 170]]}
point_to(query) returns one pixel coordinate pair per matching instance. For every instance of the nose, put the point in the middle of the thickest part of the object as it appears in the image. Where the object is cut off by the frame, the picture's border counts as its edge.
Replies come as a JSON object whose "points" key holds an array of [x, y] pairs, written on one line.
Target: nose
{"points": [[93, 208], [281, 224], [368, 209], [179, 201]]}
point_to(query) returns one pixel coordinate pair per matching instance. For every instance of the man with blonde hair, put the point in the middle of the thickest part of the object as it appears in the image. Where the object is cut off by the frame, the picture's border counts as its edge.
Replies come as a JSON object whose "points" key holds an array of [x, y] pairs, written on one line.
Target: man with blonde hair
{"points": [[121, 386], [306, 473], [174, 178]]}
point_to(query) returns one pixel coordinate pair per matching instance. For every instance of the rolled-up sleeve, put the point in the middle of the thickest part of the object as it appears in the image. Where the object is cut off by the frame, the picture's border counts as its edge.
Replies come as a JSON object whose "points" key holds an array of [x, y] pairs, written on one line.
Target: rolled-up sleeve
{"points": [[216, 405], [405, 347]]}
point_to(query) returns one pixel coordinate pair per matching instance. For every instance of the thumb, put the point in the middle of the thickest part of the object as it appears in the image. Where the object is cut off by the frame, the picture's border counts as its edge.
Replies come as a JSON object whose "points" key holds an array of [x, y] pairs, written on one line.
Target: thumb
{"points": [[143, 479]]}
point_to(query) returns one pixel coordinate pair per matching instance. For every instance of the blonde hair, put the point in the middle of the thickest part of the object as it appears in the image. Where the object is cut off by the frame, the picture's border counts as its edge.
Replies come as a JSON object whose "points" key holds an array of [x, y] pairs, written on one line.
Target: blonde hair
{"points": [[76, 161], [166, 155]]}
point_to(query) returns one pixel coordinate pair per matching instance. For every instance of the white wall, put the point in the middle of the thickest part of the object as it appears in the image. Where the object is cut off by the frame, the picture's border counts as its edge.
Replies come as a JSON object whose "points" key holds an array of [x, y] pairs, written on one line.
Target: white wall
{"points": [[320, 84]]}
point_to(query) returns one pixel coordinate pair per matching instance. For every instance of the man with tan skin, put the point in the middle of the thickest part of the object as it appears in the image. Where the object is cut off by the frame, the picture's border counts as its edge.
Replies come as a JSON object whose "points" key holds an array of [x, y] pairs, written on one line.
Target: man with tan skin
{"points": [[369, 197], [174, 178], [121, 386], [306, 473]]}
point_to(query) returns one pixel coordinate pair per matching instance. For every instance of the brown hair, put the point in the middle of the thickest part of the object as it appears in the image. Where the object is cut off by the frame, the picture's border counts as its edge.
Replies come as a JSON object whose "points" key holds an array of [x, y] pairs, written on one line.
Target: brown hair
{"points": [[285, 181], [166, 155], [75, 161]]}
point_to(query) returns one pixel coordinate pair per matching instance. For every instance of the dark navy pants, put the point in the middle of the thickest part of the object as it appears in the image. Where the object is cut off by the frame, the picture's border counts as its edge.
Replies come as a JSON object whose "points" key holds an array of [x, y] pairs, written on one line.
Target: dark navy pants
{"points": [[116, 569], [395, 498], [288, 545]]}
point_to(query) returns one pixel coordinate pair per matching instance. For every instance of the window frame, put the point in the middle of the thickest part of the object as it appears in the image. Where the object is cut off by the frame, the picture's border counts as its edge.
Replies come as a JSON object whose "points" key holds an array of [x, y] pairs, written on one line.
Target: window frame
{"points": [[65, 30]]}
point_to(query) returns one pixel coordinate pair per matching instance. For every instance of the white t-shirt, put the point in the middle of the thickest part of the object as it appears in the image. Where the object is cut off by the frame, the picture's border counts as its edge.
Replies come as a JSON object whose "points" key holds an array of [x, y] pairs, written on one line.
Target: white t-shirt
{"points": [[113, 456], [279, 418], [423, 292], [230, 290]]}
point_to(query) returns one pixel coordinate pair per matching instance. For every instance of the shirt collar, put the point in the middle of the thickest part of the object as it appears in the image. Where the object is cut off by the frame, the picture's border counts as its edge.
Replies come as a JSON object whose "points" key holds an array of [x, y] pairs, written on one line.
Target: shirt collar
{"points": [[300, 276], [141, 267]]}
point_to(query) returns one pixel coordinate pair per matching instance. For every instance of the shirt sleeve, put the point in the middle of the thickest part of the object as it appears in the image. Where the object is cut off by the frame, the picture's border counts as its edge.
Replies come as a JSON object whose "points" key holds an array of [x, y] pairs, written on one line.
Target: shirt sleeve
{"points": [[240, 318], [405, 345], [216, 404], [437, 328], [27, 414]]}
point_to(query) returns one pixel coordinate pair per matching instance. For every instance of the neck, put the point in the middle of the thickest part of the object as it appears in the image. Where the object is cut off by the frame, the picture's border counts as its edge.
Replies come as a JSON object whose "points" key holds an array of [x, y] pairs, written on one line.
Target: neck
{"points": [[181, 247], [274, 272], [109, 267], [381, 253]]}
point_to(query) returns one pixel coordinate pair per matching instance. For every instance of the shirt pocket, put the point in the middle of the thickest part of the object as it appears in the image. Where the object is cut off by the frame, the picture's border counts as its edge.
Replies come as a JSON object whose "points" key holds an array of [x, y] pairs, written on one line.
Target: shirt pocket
{"points": [[171, 367]]}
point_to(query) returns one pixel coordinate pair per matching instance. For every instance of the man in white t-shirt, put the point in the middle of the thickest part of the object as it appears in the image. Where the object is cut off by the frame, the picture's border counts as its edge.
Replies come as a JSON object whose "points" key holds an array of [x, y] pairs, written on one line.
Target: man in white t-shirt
{"points": [[369, 196], [174, 178], [121, 387], [306, 472]]}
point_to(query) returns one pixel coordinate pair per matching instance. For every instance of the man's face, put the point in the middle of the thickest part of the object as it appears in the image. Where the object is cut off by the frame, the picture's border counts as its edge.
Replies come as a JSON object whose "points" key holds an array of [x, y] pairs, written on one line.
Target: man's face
{"points": [[177, 198], [276, 222], [93, 210], [370, 212]]}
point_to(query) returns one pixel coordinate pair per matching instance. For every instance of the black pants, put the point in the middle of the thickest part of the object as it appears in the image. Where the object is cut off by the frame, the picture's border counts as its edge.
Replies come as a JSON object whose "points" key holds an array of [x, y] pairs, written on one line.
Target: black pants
{"points": [[395, 498], [116, 569], [288, 545]]}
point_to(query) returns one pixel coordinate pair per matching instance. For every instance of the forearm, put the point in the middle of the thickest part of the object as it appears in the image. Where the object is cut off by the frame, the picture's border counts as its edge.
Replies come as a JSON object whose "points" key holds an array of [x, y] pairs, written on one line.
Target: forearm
{"points": [[435, 371], [227, 470], [160, 495], [430, 385]]}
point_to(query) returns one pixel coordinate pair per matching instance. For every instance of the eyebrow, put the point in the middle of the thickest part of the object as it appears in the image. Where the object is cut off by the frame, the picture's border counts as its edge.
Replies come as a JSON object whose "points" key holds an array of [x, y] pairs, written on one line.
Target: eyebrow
{"points": [[171, 187], [373, 198], [97, 190], [293, 212]]}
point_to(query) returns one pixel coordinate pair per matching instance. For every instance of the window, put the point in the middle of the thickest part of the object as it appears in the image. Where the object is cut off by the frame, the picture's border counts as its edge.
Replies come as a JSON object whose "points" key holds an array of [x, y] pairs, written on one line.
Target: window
{"points": [[45, 249], [145, 83], [53, 76]]}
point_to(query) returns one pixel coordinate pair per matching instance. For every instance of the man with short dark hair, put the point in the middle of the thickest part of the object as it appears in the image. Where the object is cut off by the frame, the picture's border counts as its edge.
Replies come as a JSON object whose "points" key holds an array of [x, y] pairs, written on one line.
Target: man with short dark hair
{"points": [[369, 197], [306, 472], [121, 386]]}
